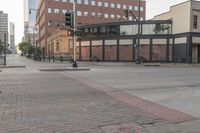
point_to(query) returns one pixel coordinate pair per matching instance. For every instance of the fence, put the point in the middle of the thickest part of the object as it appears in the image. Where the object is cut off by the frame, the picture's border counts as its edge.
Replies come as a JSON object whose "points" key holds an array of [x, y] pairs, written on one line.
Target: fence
{"points": [[180, 60], [2, 60]]}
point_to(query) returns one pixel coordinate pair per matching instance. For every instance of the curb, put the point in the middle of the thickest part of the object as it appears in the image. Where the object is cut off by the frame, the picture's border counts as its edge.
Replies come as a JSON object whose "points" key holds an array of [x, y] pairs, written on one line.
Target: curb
{"points": [[12, 66], [63, 69]]}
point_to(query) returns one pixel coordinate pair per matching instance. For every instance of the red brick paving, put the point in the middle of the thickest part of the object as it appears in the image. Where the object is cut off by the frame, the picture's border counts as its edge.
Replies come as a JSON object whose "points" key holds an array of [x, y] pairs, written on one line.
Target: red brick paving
{"points": [[160, 111]]}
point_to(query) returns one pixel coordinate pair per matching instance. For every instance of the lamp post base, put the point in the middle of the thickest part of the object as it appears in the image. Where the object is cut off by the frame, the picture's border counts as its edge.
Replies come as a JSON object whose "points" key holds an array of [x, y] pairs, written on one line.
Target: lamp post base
{"points": [[74, 65]]}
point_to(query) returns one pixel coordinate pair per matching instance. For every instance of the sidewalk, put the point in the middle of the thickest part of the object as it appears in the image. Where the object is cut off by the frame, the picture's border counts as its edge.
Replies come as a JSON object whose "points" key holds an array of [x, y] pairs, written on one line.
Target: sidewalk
{"points": [[67, 102]]}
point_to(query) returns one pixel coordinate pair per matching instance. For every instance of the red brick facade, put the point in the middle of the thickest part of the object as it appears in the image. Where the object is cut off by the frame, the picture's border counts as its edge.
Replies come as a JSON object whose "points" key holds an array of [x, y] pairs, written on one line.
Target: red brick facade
{"points": [[49, 18]]}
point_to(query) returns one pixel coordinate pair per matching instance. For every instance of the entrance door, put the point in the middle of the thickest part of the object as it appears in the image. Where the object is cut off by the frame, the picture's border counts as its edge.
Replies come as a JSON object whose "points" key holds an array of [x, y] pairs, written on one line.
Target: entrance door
{"points": [[198, 54]]}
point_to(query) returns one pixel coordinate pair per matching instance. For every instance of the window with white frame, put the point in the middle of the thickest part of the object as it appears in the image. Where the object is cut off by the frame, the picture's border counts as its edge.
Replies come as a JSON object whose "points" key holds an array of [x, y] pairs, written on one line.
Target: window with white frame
{"points": [[56, 0], [105, 4], [99, 3], [49, 10], [79, 1], [99, 15], [93, 14], [105, 15], [112, 16], [85, 13], [64, 0], [124, 7], [142, 8], [136, 8], [118, 16], [79, 13], [130, 7], [71, 1], [56, 11], [93, 2], [64, 11], [112, 5], [118, 6], [86, 2]]}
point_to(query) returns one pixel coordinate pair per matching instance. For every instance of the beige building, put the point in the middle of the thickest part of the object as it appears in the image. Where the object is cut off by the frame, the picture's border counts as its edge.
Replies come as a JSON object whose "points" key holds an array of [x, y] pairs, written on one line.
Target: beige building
{"points": [[58, 44], [186, 29]]}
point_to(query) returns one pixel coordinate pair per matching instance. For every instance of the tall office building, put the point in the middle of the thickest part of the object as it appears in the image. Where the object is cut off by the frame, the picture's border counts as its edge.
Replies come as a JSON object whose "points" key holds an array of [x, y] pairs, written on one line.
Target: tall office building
{"points": [[30, 9], [3, 25], [50, 14], [12, 37]]}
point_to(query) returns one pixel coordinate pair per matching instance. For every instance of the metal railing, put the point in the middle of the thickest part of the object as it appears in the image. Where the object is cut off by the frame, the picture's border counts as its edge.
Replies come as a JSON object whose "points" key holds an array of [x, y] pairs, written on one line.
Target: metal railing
{"points": [[2, 59], [181, 60]]}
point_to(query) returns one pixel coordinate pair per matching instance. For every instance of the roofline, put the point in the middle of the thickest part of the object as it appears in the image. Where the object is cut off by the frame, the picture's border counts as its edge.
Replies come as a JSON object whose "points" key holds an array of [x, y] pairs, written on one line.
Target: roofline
{"points": [[175, 6], [127, 23]]}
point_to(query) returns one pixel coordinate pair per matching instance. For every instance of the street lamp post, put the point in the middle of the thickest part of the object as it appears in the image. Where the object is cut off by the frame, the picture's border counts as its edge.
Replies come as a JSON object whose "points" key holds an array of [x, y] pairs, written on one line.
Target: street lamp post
{"points": [[33, 34], [137, 60], [74, 35]]}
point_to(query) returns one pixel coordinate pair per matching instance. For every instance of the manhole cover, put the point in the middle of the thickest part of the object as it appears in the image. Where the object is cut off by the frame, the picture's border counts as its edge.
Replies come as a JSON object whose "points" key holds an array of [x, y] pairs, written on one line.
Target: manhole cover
{"points": [[122, 128]]}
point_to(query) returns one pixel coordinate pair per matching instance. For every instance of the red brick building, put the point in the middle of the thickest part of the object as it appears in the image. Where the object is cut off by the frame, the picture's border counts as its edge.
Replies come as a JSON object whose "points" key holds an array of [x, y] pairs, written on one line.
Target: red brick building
{"points": [[50, 14]]}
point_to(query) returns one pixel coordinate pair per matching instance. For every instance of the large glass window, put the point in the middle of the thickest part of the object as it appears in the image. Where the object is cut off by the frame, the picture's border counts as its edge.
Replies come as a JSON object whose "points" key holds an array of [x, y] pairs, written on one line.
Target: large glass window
{"points": [[113, 30], [128, 29]]}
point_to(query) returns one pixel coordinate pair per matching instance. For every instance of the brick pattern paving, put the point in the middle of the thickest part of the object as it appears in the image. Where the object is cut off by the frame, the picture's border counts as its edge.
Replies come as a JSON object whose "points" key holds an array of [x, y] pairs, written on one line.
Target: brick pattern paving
{"points": [[54, 103]]}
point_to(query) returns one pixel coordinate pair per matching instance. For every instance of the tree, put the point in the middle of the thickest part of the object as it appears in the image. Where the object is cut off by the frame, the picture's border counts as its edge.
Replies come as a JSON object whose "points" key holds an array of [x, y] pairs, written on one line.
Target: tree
{"points": [[2, 47], [24, 47]]}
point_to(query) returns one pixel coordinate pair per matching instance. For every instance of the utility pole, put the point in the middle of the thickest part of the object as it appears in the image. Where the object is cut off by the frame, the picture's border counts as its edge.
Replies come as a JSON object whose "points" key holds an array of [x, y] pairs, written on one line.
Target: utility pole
{"points": [[137, 45]]}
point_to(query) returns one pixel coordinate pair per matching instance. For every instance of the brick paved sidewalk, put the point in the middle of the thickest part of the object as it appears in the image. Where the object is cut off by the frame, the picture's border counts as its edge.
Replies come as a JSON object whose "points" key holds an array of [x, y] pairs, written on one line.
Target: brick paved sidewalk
{"points": [[53, 103]]}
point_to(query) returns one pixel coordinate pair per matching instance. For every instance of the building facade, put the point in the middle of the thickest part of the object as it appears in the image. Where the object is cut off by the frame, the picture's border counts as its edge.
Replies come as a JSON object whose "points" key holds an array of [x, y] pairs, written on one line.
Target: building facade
{"points": [[3, 25], [186, 30], [30, 30], [12, 37], [50, 14], [117, 41], [59, 44]]}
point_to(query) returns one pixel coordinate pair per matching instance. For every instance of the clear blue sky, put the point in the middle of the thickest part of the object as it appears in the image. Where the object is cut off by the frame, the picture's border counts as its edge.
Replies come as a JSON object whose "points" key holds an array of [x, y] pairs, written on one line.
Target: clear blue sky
{"points": [[14, 9]]}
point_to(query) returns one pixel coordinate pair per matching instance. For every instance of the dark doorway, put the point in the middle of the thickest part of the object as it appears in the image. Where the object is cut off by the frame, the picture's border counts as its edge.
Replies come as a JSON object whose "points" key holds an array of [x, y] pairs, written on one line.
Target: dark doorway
{"points": [[198, 54]]}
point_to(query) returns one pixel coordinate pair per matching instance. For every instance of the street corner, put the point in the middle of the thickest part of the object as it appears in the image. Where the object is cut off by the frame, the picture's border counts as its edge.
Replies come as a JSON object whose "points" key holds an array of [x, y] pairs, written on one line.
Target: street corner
{"points": [[122, 128]]}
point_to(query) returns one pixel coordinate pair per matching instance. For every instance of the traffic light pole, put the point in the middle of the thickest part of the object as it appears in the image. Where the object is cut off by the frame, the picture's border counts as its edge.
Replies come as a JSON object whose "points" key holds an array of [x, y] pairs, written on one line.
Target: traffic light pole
{"points": [[5, 44], [74, 35]]}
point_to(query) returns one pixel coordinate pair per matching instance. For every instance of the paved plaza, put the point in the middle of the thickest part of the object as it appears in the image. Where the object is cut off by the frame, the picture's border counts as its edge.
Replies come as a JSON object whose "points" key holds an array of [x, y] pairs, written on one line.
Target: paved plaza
{"points": [[110, 98]]}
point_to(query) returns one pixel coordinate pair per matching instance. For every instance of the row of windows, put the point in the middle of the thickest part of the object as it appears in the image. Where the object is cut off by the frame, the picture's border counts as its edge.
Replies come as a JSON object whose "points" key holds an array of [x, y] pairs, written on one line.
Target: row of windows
{"points": [[93, 14], [105, 4]]}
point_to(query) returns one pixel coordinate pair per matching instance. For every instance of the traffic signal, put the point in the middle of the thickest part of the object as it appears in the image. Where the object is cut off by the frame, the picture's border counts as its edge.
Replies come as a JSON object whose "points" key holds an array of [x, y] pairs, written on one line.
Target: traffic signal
{"points": [[69, 19], [126, 13]]}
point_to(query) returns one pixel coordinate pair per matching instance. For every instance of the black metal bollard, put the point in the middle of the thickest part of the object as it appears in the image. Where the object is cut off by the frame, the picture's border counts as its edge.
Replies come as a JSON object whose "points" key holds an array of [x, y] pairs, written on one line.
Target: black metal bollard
{"points": [[53, 58], [61, 59]]}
